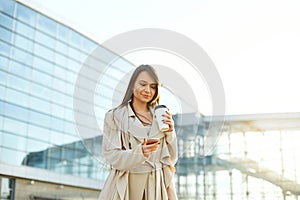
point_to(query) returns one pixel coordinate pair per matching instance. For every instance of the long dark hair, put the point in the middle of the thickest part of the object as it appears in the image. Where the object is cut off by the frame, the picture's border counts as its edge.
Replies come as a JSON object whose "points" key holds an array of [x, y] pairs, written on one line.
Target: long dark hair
{"points": [[129, 92]]}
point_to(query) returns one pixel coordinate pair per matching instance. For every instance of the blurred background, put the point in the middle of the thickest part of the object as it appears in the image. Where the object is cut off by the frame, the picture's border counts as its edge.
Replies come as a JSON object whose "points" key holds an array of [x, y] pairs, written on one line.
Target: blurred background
{"points": [[253, 45]]}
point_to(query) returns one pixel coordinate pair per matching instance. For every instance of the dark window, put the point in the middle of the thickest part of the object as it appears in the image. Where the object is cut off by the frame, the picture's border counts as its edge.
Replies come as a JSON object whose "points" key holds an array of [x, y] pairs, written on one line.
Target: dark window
{"points": [[7, 188]]}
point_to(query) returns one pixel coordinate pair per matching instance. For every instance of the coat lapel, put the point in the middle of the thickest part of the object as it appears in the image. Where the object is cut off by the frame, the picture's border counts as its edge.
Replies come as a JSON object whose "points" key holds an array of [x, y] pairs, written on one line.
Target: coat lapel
{"points": [[137, 129]]}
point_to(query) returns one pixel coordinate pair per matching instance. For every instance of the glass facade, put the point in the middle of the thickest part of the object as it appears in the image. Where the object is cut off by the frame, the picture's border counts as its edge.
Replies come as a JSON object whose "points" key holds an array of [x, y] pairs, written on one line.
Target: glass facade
{"points": [[7, 188], [256, 157], [39, 62]]}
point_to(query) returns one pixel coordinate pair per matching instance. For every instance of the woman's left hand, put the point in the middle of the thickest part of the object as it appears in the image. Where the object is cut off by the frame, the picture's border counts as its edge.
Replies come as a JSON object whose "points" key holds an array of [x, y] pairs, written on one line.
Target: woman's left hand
{"points": [[169, 120]]}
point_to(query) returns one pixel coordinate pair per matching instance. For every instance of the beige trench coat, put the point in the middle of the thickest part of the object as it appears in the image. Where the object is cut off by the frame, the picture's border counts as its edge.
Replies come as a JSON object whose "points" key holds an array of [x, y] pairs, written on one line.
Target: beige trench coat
{"points": [[132, 176]]}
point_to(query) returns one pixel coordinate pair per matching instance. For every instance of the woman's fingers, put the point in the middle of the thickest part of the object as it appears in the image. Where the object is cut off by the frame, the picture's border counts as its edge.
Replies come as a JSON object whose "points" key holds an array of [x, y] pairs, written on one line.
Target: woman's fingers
{"points": [[148, 149], [169, 120]]}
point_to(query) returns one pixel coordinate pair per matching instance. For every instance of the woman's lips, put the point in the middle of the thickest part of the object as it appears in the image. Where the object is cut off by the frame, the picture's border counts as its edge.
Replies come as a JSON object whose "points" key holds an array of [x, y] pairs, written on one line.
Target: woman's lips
{"points": [[146, 96]]}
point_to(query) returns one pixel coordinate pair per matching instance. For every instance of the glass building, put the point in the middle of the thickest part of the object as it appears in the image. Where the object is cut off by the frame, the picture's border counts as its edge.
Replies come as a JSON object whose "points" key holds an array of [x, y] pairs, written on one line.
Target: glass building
{"points": [[47, 151], [256, 157], [39, 62]]}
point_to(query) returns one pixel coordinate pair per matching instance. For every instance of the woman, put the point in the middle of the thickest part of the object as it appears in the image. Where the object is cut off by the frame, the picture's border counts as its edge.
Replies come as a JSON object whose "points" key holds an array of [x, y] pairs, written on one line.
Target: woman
{"points": [[142, 168]]}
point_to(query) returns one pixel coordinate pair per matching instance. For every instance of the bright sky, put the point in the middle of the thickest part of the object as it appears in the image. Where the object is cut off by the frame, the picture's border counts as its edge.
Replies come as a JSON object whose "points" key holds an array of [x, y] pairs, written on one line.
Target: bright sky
{"points": [[255, 45]]}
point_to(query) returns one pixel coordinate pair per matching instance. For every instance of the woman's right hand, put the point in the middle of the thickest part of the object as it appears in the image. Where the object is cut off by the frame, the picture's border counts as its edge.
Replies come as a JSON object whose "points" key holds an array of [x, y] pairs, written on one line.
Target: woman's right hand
{"points": [[148, 149]]}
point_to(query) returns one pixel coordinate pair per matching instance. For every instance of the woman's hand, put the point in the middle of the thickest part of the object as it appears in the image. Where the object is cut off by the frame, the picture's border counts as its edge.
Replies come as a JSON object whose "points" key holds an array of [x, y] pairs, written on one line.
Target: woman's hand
{"points": [[148, 149], [169, 120]]}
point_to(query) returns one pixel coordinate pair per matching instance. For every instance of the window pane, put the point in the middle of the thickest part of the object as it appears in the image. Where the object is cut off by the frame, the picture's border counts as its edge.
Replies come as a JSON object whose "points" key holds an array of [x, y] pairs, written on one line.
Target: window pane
{"points": [[75, 54], [38, 90], [63, 33], [18, 83], [3, 62], [38, 132], [59, 85], [60, 72], [46, 25], [76, 39], [17, 97], [26, 15], [7, 7], [19, 69], [56, 137], [57, 110], [88, 46], [3, 77], [45, 39], [34, 145], [57, 124], [4, 48], [5, 34], [24, 29], [73, 65], [12, 156], [42, 78], [13, 141], [22, 56], [15, 126], [40, 119], [40, 105], [43, 52], [23, 43], [70, 128], [15, 112], [62, 47], [43, 65]]}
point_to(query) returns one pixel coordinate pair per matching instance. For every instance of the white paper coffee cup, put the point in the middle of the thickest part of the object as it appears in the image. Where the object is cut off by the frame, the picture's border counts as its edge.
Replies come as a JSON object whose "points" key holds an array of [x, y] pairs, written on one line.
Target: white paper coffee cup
{"points": [[159, 111]]}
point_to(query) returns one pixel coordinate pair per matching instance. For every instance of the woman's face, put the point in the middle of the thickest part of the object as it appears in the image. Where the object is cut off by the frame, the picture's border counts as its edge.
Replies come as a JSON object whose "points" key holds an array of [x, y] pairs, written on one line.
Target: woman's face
{"points": [[144, 88]]}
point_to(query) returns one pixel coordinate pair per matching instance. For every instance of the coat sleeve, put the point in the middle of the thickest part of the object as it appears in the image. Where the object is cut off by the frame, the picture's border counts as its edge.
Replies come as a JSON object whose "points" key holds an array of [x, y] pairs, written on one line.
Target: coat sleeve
{"points": [[171, 141], [112, 147]]}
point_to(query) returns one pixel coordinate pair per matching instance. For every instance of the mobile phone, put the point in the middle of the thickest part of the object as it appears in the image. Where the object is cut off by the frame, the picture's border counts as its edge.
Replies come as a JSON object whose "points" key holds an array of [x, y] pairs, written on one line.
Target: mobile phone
{"points": [[152, 140]]}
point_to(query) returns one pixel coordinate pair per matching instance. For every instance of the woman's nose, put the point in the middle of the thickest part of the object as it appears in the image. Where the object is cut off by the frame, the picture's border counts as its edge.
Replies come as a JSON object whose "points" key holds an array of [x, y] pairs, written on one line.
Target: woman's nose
{"points": [[147, 88]]}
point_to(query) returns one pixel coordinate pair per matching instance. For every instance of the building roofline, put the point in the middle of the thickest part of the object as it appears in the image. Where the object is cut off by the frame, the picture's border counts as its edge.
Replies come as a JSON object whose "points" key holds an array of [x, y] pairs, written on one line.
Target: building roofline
{"points": [[58, 18], [43, 175]]}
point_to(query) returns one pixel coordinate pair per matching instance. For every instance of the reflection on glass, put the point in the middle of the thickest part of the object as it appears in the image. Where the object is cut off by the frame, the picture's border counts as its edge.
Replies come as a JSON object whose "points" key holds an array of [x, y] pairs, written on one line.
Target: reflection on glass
{"points": [[38, 132], [18, 83], [41, 78], [44, 52], [43, 65], [4, 49], [7, 7], [22, 56], [25, 30], [26, 15], [75, 54], [3, 62], [45, 39], [3, 77], [61, 47], [14, 157], [17, 97], [14, 141], [15, 112], [40, 119], [23, 42], [88, 46], [46, 25], [6, 21], [5, 34], [63, 33], [19, 69]]}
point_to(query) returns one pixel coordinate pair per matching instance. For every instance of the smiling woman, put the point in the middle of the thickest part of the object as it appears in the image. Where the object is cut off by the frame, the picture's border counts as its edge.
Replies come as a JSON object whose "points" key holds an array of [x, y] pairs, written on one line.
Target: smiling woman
{"points": [[141, 157]]}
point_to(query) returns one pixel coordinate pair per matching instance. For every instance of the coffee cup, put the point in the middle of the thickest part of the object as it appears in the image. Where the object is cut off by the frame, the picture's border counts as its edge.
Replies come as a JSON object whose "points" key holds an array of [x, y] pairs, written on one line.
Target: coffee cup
{"points": [[159, 111]]}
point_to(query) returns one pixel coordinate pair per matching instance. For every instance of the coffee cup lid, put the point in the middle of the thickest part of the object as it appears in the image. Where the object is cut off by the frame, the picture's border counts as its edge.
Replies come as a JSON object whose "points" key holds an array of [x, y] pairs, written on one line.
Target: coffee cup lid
{"points": [[160, 106]]}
